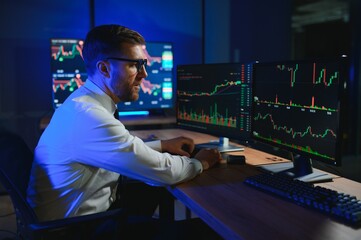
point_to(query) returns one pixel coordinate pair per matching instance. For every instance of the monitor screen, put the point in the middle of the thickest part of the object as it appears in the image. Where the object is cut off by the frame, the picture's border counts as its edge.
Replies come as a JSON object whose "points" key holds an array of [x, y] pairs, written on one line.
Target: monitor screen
{"points": [[297, 107], [215, 99], [156, 92], [67, 68]]}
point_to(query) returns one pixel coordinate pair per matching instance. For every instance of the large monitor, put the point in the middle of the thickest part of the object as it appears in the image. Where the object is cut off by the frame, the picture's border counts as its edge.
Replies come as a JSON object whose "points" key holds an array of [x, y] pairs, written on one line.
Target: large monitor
{"points": [[157, 90], [215, 99], [297, 106], [67, 68]]}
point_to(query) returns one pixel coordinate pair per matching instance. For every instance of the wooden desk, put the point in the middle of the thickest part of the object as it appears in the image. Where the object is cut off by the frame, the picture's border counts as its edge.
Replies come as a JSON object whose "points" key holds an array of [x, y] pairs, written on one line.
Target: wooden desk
{"points": [[236, 211], [257, 157]]}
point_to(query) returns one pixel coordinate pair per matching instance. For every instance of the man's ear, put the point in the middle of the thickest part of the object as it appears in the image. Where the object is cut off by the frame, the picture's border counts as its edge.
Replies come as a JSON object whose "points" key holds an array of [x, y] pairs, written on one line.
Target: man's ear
{"points": [[103, 68]]}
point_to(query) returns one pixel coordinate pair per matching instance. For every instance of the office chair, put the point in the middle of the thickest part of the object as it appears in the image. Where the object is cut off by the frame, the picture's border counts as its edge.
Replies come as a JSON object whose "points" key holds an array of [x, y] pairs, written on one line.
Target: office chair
{"points": [[15, 166]]}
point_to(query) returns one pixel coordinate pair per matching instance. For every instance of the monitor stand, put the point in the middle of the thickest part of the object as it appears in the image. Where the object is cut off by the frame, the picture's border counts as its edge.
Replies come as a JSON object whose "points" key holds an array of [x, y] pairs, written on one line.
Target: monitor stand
{"points": [[222, 145], [300, 168]]}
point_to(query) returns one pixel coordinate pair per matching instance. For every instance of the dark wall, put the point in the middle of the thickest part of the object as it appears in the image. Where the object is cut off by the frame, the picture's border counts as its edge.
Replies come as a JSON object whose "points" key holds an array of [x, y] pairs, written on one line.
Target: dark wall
{"points": [[25, 81], [261, 30], [24, 39], [355, 81], [179, 22]]}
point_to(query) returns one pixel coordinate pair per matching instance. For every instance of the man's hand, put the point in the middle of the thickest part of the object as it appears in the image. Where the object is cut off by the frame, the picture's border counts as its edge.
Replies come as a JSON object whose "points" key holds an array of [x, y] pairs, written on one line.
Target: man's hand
{"points": [[181, 146], [208, 157]]}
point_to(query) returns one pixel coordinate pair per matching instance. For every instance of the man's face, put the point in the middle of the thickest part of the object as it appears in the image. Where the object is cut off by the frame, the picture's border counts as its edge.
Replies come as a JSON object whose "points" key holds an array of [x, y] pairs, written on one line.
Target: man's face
{"points": [[125, 78]]}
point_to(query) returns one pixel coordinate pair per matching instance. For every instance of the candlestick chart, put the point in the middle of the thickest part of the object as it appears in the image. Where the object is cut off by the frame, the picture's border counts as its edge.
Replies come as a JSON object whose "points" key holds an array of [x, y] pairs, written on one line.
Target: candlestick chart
{"points": [[67, 68], [215, 98], [296, 106]]}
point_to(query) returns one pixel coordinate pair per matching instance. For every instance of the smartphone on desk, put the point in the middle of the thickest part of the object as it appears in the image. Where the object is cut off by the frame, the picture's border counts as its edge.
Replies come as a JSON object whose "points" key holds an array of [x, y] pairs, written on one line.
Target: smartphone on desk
{"points": [[235, 159]]}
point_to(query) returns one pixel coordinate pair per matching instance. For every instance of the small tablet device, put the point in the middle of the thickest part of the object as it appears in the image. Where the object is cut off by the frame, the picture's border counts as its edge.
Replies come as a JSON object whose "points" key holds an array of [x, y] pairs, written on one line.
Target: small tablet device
{"points": [[221, 148]]}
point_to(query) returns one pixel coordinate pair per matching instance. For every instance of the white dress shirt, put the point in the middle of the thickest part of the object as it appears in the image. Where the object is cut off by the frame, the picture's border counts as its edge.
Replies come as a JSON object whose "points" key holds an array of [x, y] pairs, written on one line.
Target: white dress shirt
{"points": [[82, 152]]}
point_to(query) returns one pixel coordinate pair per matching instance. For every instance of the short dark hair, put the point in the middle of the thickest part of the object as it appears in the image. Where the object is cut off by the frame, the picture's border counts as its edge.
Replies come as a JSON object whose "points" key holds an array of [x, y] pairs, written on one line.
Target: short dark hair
{"points": [[102, 41]]}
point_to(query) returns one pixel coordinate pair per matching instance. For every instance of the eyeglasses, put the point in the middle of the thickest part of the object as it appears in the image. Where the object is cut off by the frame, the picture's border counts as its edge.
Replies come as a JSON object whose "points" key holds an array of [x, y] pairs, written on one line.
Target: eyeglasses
{"points": [[140, 62]]}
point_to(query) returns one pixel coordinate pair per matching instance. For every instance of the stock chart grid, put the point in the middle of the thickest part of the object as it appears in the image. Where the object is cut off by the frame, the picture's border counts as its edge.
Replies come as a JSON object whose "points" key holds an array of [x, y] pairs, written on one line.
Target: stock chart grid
{"points": [[67, 68], [215, 98], [296, 105], [157, 90]]}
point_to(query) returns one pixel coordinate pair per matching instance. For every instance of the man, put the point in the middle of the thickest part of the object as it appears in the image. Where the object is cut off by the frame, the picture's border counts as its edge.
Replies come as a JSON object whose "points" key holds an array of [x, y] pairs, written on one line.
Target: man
{"points": [[84, 149]]}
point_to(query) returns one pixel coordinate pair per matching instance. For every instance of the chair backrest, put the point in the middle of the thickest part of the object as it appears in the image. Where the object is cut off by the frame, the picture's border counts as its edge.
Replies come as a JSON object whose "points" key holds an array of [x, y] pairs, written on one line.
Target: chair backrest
{"points": [[15, 165]]}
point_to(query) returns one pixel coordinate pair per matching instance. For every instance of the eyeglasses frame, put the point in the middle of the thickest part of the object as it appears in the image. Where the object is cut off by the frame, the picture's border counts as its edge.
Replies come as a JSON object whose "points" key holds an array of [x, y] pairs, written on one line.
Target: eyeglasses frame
{"points": [[140, 62]]}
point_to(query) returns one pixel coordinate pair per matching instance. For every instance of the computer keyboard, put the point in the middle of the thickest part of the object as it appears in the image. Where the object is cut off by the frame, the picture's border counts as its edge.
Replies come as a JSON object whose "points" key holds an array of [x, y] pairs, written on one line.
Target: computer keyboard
{"points": [[335, 204]]}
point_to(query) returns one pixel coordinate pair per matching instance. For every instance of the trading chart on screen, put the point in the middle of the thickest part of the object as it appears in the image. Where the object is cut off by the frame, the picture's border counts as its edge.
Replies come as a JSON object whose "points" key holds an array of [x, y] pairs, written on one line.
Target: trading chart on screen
{"points": [[215, 98], [67, 68], [296, 105]]}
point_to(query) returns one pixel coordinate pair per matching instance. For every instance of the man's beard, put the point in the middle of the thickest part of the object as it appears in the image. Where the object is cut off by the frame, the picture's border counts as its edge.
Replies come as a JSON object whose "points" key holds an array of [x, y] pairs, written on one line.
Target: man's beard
{"points": [[131, 95]]}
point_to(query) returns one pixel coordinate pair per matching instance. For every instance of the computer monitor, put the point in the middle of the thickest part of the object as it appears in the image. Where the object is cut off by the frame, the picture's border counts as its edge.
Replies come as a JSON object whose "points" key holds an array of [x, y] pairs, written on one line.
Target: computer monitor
{"points": [[215, 99], [67, 68], [157, 90], [297, 106]]}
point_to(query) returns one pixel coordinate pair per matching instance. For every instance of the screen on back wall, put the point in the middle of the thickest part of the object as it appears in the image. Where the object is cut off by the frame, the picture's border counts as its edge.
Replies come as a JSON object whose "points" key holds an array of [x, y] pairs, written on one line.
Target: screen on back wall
{"points": [[157, 89], [67, 68]]}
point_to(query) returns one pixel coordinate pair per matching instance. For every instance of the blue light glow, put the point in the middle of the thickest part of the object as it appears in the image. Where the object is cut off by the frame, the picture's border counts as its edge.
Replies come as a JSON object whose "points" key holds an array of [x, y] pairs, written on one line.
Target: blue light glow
{"points": [[134, 113]]}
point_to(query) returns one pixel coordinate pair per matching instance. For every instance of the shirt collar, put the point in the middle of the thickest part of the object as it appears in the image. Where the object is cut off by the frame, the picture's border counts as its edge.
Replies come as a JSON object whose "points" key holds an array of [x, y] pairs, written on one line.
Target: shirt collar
{"points": [[104, 98]]}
